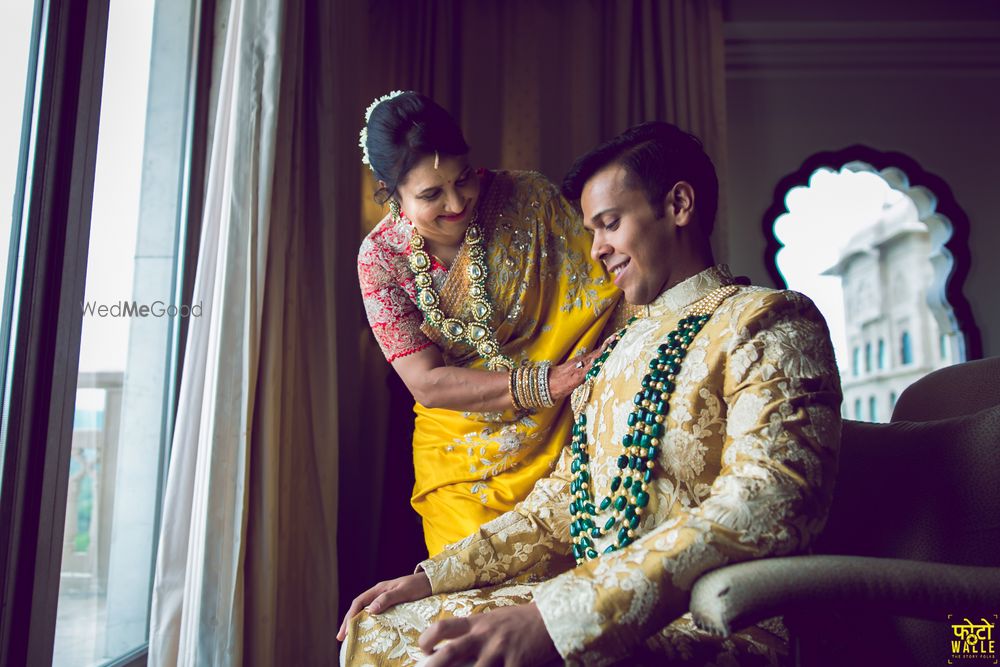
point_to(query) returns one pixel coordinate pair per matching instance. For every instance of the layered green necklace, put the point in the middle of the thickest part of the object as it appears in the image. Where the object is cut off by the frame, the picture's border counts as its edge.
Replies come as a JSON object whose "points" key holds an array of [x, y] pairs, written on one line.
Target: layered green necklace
{"points": [[629, 492], [476, 332]]}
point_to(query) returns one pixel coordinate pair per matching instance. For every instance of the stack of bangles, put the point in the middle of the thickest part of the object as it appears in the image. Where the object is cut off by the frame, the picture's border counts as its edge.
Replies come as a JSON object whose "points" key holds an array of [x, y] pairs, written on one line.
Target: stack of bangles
{"points": [[529, 387]]}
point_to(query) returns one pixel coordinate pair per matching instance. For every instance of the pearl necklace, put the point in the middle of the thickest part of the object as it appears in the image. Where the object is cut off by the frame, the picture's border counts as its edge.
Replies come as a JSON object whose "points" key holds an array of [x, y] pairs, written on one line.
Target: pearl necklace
{"points": [[640, 445], [477, 332]]}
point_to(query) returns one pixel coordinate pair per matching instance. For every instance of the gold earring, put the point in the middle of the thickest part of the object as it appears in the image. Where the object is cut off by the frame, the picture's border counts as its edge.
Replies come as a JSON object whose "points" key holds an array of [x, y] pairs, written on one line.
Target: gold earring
{"points": [[394, 210]]}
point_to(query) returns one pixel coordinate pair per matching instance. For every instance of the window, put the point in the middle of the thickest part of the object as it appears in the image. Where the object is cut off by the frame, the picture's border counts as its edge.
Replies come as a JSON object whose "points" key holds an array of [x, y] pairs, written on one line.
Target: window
{"points": [[128, 349], [103, 209], [905, 349], [857, 409], [943, 347], [892, 400], [872, 409], [878, 245]]}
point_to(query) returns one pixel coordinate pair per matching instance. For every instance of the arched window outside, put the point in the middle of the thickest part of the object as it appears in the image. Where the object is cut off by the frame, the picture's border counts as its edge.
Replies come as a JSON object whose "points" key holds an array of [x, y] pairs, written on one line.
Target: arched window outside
{"points": [[905, 349], [881, 247]]}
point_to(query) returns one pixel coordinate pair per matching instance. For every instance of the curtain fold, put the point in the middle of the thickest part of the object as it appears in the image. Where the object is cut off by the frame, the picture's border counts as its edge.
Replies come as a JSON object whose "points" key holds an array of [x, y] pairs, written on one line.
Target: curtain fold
{"points": [[536, 84], [247, 559]]}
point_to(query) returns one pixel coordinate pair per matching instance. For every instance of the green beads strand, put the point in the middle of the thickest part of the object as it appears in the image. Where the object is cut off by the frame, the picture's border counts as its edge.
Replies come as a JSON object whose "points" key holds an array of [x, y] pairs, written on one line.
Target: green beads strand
{"points": [[629, 492]]}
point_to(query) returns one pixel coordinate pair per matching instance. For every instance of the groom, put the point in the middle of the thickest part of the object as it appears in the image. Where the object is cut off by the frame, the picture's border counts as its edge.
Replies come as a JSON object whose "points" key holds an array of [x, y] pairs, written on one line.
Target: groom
{"points": [[706, 435]]}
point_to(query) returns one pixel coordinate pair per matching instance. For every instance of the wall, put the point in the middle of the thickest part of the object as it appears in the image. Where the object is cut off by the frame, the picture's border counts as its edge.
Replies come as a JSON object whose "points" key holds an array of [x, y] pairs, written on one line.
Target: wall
{"points": [[919, 80]]}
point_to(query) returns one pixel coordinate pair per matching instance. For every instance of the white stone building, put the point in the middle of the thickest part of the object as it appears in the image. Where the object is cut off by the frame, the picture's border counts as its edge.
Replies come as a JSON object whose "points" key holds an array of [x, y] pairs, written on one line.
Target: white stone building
{"points": [[893, 337]]}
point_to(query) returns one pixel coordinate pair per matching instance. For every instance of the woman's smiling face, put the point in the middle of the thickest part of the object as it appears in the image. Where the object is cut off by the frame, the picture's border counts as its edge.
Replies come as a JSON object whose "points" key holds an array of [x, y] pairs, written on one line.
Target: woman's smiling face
{"points": [[440, 201]]}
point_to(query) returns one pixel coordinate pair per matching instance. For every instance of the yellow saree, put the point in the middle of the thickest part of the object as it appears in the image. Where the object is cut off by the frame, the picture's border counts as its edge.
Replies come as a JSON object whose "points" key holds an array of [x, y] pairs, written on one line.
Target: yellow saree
{"points": [[550, 302]]}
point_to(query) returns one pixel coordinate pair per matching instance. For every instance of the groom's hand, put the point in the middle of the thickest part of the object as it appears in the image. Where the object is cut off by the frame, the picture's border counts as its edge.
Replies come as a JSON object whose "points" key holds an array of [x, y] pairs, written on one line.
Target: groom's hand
{"points": [[383, 595], [509, 636]]}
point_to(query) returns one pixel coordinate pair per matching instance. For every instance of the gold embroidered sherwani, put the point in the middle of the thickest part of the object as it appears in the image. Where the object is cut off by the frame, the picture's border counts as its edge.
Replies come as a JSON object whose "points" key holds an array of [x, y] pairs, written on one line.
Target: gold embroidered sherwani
{"points": [[746, 470]]}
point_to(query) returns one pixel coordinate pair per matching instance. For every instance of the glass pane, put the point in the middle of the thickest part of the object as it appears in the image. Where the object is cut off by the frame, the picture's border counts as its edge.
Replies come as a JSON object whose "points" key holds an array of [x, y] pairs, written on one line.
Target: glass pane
{"points": [[18, 48], [123, 412]]}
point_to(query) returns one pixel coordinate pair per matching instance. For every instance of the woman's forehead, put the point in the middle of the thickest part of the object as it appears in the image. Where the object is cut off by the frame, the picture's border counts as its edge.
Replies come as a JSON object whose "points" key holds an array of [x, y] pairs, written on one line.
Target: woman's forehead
{"points": [[423, 175]]}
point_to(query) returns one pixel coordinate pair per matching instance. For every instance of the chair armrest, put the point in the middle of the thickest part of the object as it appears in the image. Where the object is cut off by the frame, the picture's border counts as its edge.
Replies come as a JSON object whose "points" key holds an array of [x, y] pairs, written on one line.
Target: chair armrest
{"points": [[735, 596]]}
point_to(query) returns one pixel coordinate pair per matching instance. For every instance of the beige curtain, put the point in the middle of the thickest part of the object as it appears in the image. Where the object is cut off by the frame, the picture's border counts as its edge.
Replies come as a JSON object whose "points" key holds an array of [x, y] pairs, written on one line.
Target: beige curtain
{"points": [[538, 83], [535, 84], [247, 559]]}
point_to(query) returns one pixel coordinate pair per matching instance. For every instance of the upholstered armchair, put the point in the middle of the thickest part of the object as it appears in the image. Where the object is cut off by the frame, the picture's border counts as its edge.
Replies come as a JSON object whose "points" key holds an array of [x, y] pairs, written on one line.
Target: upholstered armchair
{"points": [[911, 546]]}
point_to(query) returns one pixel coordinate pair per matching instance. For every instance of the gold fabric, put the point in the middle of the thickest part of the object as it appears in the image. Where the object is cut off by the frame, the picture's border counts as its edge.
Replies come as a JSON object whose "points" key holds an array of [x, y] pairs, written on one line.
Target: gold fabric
{"points": [[550, 302], [746, 470]]}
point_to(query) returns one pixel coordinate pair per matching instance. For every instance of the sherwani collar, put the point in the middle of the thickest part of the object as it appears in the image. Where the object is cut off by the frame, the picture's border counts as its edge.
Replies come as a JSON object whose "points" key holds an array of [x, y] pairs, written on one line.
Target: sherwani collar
{"points": [[686, 292]]}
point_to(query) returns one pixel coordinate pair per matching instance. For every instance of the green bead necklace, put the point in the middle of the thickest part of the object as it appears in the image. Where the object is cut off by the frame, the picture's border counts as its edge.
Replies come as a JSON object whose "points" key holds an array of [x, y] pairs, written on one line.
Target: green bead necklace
{"points": [[629, 492]]}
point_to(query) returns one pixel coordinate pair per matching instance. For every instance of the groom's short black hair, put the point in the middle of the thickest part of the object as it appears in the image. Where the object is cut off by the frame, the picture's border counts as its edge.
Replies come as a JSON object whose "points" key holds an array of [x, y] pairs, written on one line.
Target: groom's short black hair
{"points": [[656, 155]]}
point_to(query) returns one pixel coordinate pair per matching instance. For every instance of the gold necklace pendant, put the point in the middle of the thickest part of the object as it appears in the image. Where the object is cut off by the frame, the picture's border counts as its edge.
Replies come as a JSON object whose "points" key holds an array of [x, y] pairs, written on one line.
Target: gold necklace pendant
{"points": [[580, 396], [476, 332]]}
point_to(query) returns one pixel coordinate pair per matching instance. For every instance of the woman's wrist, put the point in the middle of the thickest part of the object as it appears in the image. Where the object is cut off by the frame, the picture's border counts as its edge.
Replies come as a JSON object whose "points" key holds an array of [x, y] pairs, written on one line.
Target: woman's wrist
{"points": [[529, 387]]}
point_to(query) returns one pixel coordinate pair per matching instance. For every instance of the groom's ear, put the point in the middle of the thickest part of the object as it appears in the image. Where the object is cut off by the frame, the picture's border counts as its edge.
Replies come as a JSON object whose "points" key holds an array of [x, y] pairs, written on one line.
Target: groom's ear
{"points": [[679, 203]]}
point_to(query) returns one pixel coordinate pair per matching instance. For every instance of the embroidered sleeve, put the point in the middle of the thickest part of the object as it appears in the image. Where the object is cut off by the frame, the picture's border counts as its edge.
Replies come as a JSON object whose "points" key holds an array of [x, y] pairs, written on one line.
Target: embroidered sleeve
{"points": [[392, 314], [533, 536], [782, 393]]}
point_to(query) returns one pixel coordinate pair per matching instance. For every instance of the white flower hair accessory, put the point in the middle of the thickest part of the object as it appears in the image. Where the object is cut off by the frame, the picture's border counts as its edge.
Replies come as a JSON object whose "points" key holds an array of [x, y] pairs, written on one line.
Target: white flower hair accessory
{"points": [[363, 142]]}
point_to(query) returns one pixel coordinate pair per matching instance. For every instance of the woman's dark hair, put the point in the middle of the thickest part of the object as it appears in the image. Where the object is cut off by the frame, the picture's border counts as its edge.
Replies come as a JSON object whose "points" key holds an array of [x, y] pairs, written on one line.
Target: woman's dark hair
{"points": [[656, 155], [405, 129]]}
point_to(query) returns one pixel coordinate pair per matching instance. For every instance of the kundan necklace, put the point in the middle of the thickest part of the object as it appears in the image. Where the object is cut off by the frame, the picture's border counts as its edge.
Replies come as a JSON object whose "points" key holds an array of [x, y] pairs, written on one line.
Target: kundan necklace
{"points": [[476, 332], [629, 492]]}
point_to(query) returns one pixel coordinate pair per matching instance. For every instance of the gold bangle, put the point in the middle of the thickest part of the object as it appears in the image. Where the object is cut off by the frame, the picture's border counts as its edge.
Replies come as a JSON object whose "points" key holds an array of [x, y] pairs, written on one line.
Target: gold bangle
{"points": [[526, 388], [510, 386], [543, 385], [523, 391], [536, 399]]}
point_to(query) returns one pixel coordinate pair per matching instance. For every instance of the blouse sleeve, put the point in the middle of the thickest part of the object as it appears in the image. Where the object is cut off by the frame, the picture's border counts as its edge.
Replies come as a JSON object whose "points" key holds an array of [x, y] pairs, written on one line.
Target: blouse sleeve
{"points": [[393, 316]]}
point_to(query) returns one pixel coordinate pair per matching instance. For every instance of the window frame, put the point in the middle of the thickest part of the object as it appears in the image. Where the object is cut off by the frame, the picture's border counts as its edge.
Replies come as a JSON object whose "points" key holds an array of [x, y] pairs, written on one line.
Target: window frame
{"points": [[945, 204]]}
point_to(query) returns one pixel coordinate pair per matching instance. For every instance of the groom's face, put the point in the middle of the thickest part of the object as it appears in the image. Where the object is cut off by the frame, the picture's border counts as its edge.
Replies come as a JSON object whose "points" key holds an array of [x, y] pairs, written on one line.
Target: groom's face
{"points": [[630, 239]]}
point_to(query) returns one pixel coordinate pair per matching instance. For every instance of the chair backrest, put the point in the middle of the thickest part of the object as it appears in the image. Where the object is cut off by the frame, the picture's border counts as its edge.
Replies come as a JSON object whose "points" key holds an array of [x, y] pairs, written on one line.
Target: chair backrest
{"points": [[952, 391], [925, 486], [924, 489]]}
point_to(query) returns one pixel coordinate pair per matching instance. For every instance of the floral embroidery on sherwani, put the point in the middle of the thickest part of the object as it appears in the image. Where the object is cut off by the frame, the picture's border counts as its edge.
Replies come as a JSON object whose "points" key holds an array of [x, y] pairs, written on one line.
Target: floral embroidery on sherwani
{"points": [[746, 471]]}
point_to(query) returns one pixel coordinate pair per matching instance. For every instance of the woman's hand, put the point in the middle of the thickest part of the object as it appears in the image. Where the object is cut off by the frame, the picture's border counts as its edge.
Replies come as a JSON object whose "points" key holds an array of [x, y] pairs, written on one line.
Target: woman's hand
{"points": [[564, 378], [386, 594]]}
